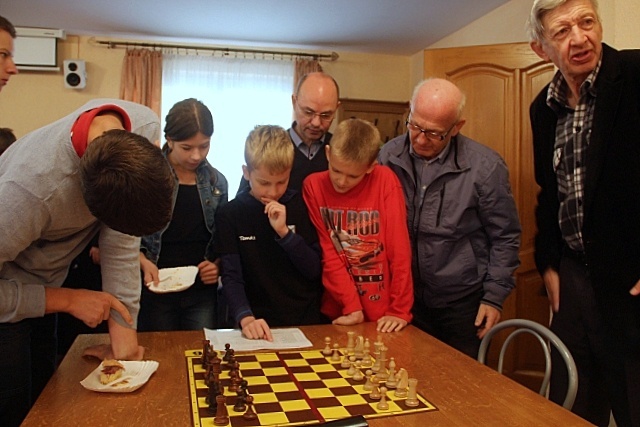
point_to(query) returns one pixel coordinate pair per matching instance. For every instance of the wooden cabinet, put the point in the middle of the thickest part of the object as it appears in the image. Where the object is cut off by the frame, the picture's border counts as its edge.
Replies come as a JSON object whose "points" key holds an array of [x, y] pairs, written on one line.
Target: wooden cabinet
{"points": [[388, 117]]}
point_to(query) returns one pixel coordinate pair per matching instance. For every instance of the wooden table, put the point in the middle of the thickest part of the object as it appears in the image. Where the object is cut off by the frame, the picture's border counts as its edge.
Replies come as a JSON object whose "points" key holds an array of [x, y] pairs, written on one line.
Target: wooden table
{"points": [[464, 391]]}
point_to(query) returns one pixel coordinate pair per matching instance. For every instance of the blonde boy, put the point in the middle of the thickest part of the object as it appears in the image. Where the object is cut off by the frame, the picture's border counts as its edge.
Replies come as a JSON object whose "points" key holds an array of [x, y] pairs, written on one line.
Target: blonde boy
{"points": [[358, 209], [269, 250]]}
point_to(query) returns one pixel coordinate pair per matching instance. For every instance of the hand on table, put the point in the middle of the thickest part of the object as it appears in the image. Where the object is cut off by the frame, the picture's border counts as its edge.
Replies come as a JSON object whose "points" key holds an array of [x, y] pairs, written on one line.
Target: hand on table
{"points": [[209, 272], [255, 329], [104, 351], [390, 324], [350, 319]]}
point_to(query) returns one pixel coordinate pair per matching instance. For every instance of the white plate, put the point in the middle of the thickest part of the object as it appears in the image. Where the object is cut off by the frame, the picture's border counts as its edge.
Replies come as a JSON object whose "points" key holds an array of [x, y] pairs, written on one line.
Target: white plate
{"points": [[174, 279], [135, 375]]}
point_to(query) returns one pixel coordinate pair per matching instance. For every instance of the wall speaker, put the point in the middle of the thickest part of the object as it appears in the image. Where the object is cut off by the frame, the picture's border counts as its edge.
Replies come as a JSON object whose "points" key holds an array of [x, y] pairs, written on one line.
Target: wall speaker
{"points": [[75, 74]]}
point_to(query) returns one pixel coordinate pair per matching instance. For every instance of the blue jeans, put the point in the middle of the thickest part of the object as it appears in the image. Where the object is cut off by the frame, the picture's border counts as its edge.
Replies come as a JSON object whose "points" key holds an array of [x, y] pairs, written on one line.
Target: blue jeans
{"points": [[27, 361], [453, 325], [192, 309]]}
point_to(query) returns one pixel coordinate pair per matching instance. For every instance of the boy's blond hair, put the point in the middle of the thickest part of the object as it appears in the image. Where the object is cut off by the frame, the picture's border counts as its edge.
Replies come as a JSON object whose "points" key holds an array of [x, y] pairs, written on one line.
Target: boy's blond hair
{"points": [[269, 146], [356, 141]]}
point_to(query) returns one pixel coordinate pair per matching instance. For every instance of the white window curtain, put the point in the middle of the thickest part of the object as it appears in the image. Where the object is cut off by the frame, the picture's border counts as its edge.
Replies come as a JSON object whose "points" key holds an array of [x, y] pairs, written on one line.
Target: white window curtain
{"points": [[241, 93]]}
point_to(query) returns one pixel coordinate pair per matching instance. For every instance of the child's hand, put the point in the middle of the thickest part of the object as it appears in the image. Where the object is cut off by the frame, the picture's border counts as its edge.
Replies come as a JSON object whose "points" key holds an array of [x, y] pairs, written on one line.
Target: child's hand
{"points": [[390, 324], [277, 214], [255, 329], [350, 319], [209, 272]]}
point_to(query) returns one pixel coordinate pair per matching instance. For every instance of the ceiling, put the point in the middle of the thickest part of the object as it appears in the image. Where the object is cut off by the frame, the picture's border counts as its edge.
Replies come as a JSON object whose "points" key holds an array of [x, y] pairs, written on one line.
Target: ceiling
{"points": [[399, 27]]}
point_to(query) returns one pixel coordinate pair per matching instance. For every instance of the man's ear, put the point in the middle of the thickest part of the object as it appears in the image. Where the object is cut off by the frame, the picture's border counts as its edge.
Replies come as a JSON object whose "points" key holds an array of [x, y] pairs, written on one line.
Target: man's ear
{"points": [[245, 172], [539, 50]]}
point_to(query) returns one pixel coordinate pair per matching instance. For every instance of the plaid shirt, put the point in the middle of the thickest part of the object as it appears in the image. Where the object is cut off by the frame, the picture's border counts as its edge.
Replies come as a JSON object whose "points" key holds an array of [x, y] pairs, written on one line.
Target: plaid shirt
{"points": [[573, 133]]}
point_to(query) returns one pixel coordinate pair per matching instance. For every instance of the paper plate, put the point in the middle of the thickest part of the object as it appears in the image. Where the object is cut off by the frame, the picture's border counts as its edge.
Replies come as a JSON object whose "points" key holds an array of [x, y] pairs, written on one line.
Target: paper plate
{"points": [[135, 375], [174, 279]]}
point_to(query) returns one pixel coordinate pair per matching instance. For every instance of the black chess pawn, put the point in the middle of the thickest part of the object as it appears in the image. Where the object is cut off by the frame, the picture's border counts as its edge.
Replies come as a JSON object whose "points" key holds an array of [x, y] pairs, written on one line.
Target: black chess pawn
{"points": [[240, 405], [243, 386], [250, 414], [227, 352]]}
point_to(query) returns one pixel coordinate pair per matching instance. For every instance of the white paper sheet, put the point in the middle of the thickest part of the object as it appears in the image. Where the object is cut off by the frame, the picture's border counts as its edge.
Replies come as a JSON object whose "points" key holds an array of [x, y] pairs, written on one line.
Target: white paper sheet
{"points": [[282, 339]]}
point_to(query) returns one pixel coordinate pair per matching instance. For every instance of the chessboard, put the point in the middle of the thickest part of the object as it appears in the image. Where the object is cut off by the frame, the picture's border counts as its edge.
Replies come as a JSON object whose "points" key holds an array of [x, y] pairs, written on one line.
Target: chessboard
{"points": [[291, 388]]}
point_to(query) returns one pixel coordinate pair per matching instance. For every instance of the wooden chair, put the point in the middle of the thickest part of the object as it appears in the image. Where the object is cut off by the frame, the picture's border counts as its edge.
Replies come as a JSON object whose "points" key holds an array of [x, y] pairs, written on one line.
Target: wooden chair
{"points": [[546, 338]]}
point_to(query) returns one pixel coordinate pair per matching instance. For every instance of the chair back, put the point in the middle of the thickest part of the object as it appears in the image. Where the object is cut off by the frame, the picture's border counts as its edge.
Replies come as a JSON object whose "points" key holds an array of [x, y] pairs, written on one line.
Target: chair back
{"points": [[546, 338]]}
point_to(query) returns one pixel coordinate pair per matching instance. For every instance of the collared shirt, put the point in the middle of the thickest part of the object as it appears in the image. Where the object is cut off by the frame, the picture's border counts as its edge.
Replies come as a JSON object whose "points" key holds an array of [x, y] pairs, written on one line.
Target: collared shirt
{"points": [[573, 133], [308, 150], [425, 171]]}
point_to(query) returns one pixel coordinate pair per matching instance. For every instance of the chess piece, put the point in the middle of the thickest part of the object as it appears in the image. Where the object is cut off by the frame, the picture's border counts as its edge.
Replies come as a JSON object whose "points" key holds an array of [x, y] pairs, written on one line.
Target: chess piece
{"points": [[366, 354], [210, 399], [368, 385], [205, 353], [352, 366], [240, 405], [350, 342], [250, 414], [383, 405], [357, 375], [403, 383], [222, 414], [233, 386], [358, 351], [382, 369], [214, 363], [327, 346], [375, 391], [412, 395], [345, 361], [227, 352], [391, 380], [335, 357]]}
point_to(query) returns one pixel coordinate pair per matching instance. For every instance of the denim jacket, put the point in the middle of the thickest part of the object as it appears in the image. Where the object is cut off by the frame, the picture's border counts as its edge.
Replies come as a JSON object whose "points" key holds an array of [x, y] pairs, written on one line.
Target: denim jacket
{"points": [[214, 192]]}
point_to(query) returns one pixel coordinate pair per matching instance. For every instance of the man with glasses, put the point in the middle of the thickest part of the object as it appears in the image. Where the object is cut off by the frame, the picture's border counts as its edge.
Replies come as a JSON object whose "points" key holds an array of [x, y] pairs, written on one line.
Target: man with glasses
{"points": [[462, 218], [315, 102], [586, 142]]}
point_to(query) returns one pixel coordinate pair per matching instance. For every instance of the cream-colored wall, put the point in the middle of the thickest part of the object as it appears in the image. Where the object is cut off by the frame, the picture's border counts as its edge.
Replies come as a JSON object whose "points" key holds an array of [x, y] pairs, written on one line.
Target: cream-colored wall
{"points": [[35, 98]]}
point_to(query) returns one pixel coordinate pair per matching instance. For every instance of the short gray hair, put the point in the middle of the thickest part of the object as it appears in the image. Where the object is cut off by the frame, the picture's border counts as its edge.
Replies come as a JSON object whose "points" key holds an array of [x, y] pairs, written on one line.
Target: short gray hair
{"points": [[535, 30]]}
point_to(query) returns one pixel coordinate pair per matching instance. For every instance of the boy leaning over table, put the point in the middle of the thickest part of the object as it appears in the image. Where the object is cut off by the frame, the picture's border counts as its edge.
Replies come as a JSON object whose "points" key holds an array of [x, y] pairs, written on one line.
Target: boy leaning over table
{"points": [[93, 171]]}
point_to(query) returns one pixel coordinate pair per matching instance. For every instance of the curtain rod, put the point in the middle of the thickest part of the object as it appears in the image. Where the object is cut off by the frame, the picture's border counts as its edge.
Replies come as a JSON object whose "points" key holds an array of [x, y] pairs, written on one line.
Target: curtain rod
{"points": [[333, 56]]}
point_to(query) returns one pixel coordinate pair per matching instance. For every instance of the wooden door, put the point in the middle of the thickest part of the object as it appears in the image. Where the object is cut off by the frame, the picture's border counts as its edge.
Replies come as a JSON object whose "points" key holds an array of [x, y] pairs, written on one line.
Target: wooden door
{"points": [[500, 82]]}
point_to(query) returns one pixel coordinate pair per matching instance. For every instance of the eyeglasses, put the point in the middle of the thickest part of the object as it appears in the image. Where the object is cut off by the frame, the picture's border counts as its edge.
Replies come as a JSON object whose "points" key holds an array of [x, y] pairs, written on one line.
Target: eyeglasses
{"points": [[434, 136], [309, 114]]}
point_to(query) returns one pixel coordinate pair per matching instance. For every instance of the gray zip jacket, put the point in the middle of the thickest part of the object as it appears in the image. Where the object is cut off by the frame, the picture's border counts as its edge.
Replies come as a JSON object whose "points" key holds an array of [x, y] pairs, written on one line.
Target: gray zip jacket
{"points": [[465, 235], [45, 223]]}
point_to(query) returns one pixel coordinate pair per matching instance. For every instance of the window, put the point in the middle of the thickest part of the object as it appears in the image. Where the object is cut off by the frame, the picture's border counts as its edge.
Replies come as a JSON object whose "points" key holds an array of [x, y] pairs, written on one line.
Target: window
{"points": [[241, 93]]}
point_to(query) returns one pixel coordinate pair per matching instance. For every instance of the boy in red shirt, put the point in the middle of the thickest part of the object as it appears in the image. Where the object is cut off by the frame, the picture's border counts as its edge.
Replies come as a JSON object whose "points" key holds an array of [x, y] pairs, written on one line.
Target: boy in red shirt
{"points": [[358, 209]]}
